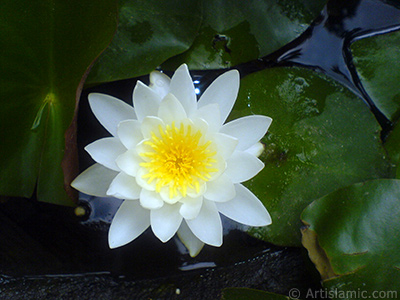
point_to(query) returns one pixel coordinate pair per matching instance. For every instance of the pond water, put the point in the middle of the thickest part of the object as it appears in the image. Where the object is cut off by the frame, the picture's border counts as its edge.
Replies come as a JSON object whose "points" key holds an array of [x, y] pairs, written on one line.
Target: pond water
{"points": [[42, 240]]}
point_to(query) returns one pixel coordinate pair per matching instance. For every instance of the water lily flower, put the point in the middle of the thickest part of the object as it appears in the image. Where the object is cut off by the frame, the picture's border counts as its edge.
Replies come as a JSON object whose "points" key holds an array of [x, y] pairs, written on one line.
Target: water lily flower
{"points": [[174, 161]]}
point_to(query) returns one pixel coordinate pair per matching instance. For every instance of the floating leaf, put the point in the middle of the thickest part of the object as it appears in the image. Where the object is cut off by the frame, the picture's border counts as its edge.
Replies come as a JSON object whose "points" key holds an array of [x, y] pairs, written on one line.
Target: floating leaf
{"points": [[358, 228], [392, 146], [377, 60], [46, 47], [148, 33], [237, 31], [322, 138]]}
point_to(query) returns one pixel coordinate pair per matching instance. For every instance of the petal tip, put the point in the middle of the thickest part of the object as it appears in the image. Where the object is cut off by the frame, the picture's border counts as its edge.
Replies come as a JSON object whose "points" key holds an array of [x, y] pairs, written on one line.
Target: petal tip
{"points": [[112, 243]]}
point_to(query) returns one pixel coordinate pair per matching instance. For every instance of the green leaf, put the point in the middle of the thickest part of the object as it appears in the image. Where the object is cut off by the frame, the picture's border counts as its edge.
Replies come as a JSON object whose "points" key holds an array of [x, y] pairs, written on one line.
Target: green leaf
{"points": [[322, 138], [377, 60], [358, 228], [46, 47], [392, 146], [238, 31], [148, 33], [247, 294]]}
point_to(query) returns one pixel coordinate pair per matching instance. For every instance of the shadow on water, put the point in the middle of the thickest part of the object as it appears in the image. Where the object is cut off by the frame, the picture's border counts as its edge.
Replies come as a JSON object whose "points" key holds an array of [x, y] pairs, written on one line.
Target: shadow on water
{"points": [[48, 254], [41, 239]]}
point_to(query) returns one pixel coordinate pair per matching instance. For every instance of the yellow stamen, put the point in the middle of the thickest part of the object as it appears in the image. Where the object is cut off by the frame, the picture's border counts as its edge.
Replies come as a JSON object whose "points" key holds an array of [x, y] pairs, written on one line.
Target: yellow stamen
{"points": [[178, 159]]}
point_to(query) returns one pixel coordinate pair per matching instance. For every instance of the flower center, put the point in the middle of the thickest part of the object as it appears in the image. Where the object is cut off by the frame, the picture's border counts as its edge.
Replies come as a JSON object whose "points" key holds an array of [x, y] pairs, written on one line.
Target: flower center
{"points": [[178, 158]]}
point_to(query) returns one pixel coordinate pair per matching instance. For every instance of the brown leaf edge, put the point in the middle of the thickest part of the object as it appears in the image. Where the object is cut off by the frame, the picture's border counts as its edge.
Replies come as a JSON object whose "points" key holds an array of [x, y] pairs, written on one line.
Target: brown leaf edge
{"points": [[70, 162], [317, 255]]}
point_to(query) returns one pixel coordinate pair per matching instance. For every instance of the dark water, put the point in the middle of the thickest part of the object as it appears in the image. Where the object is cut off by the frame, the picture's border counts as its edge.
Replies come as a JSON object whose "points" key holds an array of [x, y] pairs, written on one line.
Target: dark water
{"points": [[42, 239]]}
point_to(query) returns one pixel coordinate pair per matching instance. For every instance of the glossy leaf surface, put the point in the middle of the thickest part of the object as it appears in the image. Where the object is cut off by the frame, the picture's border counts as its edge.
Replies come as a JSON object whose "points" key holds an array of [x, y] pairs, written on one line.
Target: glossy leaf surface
{"points": [[357, 227], [322, 138], [234, 32], [46, 47], [392, 146], [148, 33], [377, 60]]}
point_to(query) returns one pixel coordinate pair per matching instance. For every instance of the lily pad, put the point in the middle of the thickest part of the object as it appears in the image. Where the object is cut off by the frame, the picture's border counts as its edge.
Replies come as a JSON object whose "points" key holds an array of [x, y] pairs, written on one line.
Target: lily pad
{"points": [[392, 146], [357, 227], [377, 60], [148, 33], [234, 32], [46, 47], [322, 138]]}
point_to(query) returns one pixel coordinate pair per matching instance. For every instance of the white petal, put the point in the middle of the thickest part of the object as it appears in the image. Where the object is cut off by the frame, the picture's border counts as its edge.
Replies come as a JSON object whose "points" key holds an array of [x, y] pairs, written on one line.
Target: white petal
{"points": [[226, 144], [248, 130], [223, 91], [129, 133], [242, 166], [143, 181], [245, 208], [150, 199], [159, 83], [105, 151], [207, 226], [220, 165], [193, 193], [145, 101], [110, 111], [164, 193], [124, 187], [149, 125], [171, 110], [142, 148], [129, 222], [183, 89], [257, 149], [192, 243], [211, 114], [190, 207], [129, 162], [165, 221], [220, 189], [199, 124], [95, 180]]}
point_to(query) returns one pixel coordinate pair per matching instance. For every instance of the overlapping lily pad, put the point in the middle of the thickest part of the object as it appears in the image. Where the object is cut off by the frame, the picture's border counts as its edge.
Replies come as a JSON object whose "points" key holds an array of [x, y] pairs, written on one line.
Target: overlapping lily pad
{"points": [[234, 32], [392, 146], [357, 227], [322, 138], [46, 47], [148, 33], [377, 60], [218, 33]]}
